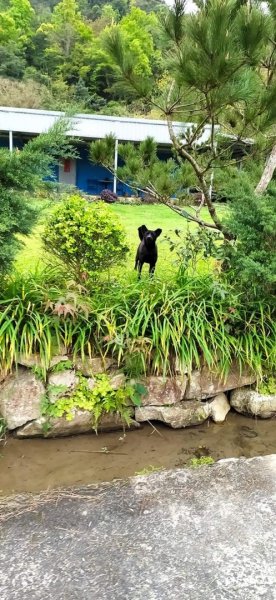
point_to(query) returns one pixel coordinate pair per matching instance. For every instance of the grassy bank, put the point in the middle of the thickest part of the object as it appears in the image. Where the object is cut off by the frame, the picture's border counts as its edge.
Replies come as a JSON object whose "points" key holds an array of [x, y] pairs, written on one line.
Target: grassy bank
{"points": [[131, 217]]}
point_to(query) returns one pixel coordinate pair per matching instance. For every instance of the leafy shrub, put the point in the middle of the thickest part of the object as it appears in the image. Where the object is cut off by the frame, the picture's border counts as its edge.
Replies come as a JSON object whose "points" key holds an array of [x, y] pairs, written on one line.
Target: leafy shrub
{"points": [[108, 196], [251, 260], [87, 238], [193, 246], [21, 172], [99, 400], [148, 199], [268, 385]]}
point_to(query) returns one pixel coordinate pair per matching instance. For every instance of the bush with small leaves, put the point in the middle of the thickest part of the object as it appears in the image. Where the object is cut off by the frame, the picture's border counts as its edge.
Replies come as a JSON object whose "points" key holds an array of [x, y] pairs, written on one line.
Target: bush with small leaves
{"points": [[87, 237], [109, 196]]}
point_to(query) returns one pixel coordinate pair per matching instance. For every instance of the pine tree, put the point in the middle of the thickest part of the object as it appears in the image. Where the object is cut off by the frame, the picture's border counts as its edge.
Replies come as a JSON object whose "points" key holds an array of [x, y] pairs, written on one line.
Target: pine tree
{"points": [[216, 64], [21, 172]]}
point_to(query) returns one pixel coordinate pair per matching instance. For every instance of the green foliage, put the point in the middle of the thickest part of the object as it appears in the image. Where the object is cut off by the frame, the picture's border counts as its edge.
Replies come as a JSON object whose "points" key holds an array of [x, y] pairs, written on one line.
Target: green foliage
{"points": [[86, 237], [20, 174], [138, 32], [192, 247], [191, 321], [32, 320], [3, 429], [142, 170], [67, 36], [251, 260], [209, 78], [148, 470], [267, 385], [99, 400], [38, 372], [60, 367], [137, 391], [198, 319], [195, 463]]}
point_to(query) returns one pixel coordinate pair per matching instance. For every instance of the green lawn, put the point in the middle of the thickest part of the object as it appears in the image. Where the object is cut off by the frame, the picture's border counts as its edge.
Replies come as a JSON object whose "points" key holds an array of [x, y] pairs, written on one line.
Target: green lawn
{"points": [[153, 216]]}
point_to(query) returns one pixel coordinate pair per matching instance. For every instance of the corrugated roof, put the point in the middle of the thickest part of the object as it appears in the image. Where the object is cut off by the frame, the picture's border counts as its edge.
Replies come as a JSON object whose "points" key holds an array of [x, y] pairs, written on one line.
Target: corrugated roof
{"points": [[89, 126]]}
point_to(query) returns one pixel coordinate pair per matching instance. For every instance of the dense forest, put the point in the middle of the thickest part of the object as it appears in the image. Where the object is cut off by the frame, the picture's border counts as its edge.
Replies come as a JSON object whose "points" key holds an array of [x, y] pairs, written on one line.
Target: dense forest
{"points": [[53, 53]]}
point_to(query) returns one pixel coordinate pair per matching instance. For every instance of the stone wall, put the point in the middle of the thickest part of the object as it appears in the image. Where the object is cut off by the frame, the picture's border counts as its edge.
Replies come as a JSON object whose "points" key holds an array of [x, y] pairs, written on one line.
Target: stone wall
{"points": [[181, 401]]}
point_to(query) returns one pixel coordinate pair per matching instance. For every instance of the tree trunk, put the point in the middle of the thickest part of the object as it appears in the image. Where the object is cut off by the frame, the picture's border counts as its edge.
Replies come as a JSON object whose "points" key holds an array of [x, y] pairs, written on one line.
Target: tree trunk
{"points": [[267, 175]]}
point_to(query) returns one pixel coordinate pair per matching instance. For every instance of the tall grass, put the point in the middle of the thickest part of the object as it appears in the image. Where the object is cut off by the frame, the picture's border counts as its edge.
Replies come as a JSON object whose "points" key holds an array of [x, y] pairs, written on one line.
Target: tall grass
{"points": [[148, 326], [197, 322], [41, 313]]}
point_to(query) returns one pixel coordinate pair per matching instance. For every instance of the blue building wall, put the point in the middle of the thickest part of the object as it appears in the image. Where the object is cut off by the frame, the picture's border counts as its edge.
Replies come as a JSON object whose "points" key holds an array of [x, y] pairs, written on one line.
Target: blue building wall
{"points": [[18, 142], [91, 179]]}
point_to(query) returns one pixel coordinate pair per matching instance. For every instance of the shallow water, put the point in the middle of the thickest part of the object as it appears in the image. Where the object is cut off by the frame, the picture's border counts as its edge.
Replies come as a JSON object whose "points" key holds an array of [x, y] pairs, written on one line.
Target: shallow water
{"points": [[33, 465]]}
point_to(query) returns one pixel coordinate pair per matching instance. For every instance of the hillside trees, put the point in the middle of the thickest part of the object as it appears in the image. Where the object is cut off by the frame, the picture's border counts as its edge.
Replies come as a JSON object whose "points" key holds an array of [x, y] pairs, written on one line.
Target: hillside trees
{"points": [[60, 45], [16, 23], [69, 41]]}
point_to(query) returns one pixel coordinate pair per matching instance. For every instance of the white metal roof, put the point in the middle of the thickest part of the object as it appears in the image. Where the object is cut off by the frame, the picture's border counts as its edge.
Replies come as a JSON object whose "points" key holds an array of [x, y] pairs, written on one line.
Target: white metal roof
{"points": [[87, 126]]}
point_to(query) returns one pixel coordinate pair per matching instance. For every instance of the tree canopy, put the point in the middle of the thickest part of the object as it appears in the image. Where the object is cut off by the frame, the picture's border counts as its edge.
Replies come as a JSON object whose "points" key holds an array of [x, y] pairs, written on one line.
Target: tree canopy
{"points": [[60, 47]]}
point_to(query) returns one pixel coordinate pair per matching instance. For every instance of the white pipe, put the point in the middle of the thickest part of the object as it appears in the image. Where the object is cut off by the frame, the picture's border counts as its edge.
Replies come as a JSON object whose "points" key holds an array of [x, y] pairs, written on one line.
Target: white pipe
{"points": [[212, 175], [115, 167], [211, 185], [10, 141]]}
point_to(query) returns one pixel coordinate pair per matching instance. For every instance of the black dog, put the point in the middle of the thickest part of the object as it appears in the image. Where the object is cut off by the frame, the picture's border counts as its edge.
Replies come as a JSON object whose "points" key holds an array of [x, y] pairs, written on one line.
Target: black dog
{"points": [[147, 249]]}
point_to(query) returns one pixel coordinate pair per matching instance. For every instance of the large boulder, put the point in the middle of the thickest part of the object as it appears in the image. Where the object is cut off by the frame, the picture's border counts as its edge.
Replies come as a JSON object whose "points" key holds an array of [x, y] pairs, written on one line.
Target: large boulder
{"points": [[93, 366], [118, 380], [205, 384], [183, 414], [219, 408], [60, 384], [81, 423], [20, 398], [250, 402], [34, 360], [163, 392]]}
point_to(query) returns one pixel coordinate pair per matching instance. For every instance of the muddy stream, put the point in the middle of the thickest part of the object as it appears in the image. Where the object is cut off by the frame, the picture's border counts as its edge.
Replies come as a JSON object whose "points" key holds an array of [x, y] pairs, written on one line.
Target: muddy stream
{"points": [[32, 465]]}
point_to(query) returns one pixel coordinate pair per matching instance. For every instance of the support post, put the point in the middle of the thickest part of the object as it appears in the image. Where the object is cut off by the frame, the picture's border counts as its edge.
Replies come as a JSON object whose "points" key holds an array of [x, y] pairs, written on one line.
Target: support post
{"points": [[10, 141], [115, 167]]}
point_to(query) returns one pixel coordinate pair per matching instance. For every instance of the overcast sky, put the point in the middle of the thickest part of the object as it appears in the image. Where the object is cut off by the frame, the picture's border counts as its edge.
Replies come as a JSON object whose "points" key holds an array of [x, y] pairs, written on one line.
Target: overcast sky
{"points": [[190, 4]]}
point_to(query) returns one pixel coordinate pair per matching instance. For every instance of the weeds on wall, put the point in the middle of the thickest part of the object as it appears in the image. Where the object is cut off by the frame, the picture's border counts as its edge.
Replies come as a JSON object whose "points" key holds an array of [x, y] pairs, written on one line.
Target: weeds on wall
{"points": [[99, 400], [148, 327]]}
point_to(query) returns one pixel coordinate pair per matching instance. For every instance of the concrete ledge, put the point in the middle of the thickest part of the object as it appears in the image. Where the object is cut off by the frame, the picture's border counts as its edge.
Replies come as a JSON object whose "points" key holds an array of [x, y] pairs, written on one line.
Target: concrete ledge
{"points": [[199, 534]]}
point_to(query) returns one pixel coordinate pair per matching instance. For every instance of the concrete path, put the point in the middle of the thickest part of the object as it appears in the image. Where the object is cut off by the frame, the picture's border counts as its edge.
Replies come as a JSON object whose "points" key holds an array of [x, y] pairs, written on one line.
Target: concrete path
{"points": [[202, 534]]}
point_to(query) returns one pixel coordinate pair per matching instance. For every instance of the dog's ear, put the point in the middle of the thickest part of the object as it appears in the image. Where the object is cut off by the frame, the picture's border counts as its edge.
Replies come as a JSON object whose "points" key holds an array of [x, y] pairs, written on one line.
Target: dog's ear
{"points": [[158, 232], [142, 230]]}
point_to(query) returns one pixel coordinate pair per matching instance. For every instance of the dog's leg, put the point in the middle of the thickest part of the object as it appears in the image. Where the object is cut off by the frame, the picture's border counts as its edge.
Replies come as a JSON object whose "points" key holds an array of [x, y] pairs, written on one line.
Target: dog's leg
{"points": [[151, 269], [140, 266]]}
